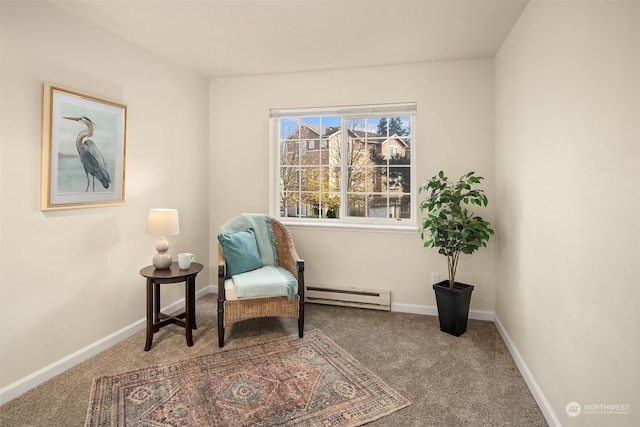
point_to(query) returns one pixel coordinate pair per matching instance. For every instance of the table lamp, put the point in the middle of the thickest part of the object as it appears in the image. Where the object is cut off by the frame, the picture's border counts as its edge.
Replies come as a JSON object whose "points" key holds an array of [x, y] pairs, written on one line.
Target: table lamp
{"points": [[161, 223]]}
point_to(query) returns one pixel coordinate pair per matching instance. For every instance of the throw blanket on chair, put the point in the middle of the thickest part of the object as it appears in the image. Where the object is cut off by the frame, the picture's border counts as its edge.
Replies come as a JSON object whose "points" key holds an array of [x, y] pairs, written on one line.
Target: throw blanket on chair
{"points": [[265, 239], [268, 281]]}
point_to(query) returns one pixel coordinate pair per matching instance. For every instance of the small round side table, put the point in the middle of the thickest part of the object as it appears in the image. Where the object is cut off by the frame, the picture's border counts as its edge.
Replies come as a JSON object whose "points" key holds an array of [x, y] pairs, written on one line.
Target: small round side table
{"points": [[156, 319]]}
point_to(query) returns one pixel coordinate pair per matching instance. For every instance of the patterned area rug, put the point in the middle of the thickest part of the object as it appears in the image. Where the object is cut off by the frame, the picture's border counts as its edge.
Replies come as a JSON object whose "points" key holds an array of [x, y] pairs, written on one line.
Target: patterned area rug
{"points": [[286, 381]]}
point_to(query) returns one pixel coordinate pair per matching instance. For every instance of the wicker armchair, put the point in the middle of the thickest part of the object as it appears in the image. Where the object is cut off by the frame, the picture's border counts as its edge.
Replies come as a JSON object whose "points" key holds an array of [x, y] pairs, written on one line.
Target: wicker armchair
{"points": [[236, 310]]}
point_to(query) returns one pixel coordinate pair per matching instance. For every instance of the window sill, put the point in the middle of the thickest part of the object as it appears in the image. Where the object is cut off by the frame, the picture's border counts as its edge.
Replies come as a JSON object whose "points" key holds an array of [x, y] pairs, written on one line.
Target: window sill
{"points": [[311, 225]]}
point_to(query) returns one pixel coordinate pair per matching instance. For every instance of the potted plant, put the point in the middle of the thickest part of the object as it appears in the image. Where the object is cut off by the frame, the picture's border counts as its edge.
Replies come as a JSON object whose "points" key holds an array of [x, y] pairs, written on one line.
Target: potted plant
{"points": [[452, 228]]}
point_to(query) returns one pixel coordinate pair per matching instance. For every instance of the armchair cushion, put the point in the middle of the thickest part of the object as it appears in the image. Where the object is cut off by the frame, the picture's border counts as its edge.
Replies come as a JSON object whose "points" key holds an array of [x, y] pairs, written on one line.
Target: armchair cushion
{"points": [[240, 251], [268, 281]]}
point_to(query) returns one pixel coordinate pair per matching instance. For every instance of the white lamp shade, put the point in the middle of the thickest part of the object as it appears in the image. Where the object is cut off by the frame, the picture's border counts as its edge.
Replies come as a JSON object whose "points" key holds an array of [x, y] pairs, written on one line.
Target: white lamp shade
{"points": [[163, 222]]}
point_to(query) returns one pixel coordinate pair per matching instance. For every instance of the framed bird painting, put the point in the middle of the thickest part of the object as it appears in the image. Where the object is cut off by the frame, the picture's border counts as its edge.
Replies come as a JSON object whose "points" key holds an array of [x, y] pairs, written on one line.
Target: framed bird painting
{"points": [[83, 150]]}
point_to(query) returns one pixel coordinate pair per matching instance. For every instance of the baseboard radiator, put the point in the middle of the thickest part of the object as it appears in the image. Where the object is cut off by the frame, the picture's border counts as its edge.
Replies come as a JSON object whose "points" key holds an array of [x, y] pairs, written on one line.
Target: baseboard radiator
{"points": [[350, 297]]}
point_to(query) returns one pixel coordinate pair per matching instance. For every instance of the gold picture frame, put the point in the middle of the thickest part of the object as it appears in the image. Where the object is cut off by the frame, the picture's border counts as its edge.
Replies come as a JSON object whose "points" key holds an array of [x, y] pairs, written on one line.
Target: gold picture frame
{"points": [[83, 150]]}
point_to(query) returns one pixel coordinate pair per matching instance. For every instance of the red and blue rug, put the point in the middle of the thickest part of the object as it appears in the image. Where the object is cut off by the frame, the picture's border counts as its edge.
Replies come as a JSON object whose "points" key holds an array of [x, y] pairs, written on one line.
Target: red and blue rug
{"points": [[287, 381]]}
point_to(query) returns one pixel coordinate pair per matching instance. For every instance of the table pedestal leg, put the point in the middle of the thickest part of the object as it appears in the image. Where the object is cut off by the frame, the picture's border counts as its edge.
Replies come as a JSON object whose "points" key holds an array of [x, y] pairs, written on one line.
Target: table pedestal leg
{"points": [[193, 303], [150, 314], [189, 306]]}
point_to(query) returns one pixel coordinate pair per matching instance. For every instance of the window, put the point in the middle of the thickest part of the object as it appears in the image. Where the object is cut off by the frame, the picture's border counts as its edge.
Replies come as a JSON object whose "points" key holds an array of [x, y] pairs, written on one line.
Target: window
{"points": [[345, 165]]}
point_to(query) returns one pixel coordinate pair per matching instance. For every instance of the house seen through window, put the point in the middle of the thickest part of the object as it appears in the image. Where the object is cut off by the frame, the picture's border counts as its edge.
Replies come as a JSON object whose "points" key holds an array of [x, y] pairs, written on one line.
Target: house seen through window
{"points": [[345, 164]]}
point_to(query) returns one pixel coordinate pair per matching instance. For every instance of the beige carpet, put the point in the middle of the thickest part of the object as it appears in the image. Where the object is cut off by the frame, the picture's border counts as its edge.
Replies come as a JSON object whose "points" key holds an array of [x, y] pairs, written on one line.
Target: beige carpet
{"points": [[470, 380]]}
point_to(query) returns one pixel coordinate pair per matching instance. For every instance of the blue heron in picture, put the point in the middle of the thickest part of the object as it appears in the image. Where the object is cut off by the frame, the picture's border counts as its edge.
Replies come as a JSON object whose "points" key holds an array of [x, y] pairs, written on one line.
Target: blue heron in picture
{"points": [[90, 156]]}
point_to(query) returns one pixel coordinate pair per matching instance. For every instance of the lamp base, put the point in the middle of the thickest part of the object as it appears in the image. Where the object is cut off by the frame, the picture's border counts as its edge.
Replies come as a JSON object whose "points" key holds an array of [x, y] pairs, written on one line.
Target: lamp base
{"points": [[162, 260]]}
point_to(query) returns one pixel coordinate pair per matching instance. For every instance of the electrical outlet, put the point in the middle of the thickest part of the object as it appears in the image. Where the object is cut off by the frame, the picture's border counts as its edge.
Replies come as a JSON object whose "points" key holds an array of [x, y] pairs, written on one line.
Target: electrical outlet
{"points": [[435, 278]]}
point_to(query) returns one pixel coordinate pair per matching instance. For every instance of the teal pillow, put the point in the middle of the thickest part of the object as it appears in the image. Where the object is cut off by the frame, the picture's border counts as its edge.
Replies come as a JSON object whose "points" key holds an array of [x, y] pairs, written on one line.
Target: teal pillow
{"points": [[240, 251]]}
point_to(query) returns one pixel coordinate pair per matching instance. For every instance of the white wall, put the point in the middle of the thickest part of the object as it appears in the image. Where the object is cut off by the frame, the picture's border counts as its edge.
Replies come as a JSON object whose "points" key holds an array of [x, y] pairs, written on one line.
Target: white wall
{"points": [[567, 91], [454, 132], [70, 278]]}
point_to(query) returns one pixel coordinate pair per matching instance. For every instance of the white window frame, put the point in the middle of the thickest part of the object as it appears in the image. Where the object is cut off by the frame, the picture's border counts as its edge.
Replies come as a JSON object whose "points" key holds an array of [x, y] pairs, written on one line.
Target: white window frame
{"points": [[344, 221]]}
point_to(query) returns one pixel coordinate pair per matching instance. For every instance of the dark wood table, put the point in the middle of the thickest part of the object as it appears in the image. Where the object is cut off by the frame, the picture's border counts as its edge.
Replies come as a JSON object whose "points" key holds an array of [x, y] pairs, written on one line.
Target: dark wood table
{"points": [[156, 319]]}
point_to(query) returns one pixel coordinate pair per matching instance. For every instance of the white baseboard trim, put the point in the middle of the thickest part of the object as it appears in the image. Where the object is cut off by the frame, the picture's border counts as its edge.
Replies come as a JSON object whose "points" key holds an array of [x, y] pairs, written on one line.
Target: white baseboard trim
{"points": [[535, 389], [431, 310], [23, 385]]}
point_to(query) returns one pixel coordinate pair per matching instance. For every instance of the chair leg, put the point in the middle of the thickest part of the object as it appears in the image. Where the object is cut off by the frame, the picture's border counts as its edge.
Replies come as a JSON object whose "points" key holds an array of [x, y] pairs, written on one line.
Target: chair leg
{"points": [[301, 318], [300, 266], [220, 323], [220, 337]]}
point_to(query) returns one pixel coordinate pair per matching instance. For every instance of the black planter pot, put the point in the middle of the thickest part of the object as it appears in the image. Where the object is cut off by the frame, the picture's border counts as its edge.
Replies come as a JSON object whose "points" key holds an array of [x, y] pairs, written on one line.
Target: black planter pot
{"points": [[453, 306]]}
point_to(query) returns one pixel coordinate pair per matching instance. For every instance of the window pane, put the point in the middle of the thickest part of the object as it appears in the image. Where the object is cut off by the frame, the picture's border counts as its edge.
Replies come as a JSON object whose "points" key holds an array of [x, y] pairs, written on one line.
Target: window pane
{"points": [[356, 205], [400, 179], [356, 152], [377, 179], [289, 204], [356, 179], [310, 202], [377, 207], [404, 203], [309, 179], [333, 176], [288, 128], [289, 152], [289, 179], [311, 154]]}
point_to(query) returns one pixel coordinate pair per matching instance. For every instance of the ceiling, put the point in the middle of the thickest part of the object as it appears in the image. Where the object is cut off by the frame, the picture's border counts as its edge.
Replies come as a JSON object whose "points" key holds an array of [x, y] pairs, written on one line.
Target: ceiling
{"points": [[222, 38]]}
